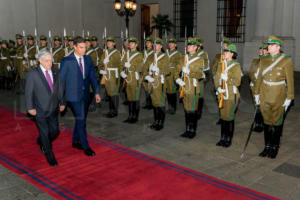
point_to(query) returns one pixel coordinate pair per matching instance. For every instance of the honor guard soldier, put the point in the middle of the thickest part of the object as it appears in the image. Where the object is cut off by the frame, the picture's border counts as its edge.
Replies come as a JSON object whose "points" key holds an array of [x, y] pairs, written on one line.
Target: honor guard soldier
{"points": [[132, 66], [192, 67], [58, 52], [227, 79], [20, 51], [110, 64], [156, 77], [5, 66], [174, 60], [13, 57], [216, 61], [30, 60], [253, 74], [148, 58], [43, 43], [97, 49], [70, 48], [274, 92], [203, 54]]}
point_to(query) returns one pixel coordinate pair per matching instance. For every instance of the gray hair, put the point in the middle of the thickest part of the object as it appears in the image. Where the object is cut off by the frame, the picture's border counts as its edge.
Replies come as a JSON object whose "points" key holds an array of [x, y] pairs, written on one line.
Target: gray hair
{"points": [[43, 53]]}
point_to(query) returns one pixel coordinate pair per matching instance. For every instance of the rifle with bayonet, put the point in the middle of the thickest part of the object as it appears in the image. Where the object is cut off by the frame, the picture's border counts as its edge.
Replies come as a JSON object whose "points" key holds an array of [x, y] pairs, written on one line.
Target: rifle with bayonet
{"points": [[185, 61], [106, 54]]}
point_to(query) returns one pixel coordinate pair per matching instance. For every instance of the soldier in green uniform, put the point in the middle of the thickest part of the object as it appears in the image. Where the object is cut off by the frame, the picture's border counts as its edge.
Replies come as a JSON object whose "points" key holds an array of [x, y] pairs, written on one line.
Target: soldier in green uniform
{"points": [[124, 50], [5, 66], [148, 58], [57, 52], [216, 61], [191, 66], [70, 48], [20, 50], [156, 77], [30, 59], [203, 54], [227, 83], [174, 60], [43, 43], [253, 74], [132, 66], [12, 53], [274, 92], [110, 65], [98, 50]]}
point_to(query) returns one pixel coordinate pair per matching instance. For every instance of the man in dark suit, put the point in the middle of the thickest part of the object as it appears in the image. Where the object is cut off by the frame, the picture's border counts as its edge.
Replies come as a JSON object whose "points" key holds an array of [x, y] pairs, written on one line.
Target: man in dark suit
{"points": [[77, 72], [44, 97]]}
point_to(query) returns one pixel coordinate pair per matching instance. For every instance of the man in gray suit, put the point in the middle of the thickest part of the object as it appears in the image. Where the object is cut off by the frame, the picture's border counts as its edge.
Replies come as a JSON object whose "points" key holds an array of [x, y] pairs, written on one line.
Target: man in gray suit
{"points": [[44, 97]]}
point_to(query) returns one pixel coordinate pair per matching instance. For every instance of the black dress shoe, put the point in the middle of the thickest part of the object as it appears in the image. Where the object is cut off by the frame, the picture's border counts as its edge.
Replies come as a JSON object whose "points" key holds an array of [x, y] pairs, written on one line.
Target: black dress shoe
{"points": [[77, 146], [51, 159], [89, 152]]}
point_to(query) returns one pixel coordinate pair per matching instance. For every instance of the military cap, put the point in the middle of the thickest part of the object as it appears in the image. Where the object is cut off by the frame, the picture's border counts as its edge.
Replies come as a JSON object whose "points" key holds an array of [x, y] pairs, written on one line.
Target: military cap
{"points": [[192, 41], [149, 39], [111, 38], [30, 37], [19, 36], [94, 38], [272, 39], [57, 38], [159, 41], [4, 42], [231, 48], [172, 40], [265, 45], [66, 37], [43, 37], [133, 39], [11, 41], [200, 40], [70, 38], [226, 40], [87, 38]]}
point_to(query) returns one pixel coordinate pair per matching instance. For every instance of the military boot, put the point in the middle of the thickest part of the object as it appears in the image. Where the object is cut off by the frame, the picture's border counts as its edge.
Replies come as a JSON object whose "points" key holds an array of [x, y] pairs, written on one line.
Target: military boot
{"points": [[267, 136], [223, 130]]}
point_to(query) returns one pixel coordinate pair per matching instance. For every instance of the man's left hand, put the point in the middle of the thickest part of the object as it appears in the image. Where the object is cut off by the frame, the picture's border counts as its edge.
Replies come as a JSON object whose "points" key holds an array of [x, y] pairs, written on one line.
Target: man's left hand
{"points": [[62, 108], [98, 98]]}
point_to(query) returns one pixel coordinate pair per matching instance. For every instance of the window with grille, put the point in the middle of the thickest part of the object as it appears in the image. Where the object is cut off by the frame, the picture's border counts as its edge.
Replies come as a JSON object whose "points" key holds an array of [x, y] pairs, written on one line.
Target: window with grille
{"points": [[231, 18], [185, 17]]}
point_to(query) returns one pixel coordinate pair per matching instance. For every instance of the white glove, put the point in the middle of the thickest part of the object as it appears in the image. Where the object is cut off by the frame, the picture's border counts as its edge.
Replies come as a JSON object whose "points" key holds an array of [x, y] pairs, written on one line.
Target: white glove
{"points": [[127, 65], [156, 70], [224, 76], [36, 56], [251, 84], [8, 68], [25, 55], [24, 62], [257, 100], [178, 80], [123, 75], [103, 72], [181, 83], [220, 90], [162, 79], [185, 70], [106, 60], [195, 82], [149, 79], [137, 77], [286, 104]]}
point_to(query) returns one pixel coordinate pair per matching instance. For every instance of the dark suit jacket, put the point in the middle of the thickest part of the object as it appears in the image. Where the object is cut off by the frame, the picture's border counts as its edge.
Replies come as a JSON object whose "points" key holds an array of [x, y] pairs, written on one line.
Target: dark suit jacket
{"points": [[38, 94], [77, 88]]}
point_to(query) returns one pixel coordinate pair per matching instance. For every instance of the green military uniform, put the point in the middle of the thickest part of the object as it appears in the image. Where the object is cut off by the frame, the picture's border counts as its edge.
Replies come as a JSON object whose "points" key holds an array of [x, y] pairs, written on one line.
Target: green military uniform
{"points": [[158, 71], [192, 67], [217, 58], [13, 58], [174, 59], [44, 38], [20, 50], [58, 53], [30, 56], [69, 50], [5, 66], [111, 76], [132, 75], [148, 59], [275, 90], [231, 95], [91, 52], [99, 52]]}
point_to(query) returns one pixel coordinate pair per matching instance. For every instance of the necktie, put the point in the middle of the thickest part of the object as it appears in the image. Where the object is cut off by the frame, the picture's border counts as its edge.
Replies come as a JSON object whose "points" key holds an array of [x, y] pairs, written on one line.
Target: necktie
{"points": [[80, 66], [49, 81]]}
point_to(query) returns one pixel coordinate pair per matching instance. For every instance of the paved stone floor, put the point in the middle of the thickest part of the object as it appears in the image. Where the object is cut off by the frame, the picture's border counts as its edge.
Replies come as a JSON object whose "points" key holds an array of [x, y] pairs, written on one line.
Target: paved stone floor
{"points": [[279, 177]]}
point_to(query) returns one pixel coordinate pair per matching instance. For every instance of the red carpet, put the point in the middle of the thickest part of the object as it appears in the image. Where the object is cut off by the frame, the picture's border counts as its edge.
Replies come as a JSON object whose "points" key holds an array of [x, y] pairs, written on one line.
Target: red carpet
{"points": [[114, 173]]}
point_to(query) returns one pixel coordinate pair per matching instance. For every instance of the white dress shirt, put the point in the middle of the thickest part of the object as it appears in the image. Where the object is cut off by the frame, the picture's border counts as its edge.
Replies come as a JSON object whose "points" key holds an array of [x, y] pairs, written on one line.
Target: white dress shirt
{"points": [[49, 72], [82, 62]]}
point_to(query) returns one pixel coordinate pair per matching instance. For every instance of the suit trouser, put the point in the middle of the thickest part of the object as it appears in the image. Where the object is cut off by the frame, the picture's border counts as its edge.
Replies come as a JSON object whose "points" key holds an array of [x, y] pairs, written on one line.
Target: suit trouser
{"points": [[48, 129], [80, 110]]}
